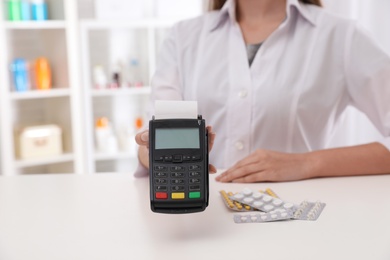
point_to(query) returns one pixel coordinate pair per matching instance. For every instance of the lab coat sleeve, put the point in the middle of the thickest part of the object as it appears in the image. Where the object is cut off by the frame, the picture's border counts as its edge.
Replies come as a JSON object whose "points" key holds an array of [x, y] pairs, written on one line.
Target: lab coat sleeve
{"points": [[165, 82], [367, 69]]}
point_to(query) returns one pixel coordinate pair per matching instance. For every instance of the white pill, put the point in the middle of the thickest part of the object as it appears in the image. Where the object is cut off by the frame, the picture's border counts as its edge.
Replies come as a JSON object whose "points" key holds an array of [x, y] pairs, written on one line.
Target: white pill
{"points": [[243, 218], [238, 196], [248, 200], [280, 210], [253, 218], [268, 207], [257, 195], [264, 217], [288, 205], [277, 202], [258, 204], [284, 214], [273, 216], [247, 192], [267, 198]]}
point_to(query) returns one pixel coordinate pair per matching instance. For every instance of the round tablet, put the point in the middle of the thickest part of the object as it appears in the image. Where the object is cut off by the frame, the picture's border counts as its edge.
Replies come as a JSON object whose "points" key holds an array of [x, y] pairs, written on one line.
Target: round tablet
{"points": [[238, 196], [273, 216], [267, 198], [288, 205], [264, 217], [258, 204], [284, 214], [248, 200], [243, 218], [257, 195], [247, 191], [277, 202], [268, 207], [253, 218]]}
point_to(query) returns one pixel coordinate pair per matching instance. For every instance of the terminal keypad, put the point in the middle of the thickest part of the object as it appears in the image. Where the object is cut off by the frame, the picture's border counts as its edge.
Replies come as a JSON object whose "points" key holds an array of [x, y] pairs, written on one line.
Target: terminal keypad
{"points": [[180, 181]]}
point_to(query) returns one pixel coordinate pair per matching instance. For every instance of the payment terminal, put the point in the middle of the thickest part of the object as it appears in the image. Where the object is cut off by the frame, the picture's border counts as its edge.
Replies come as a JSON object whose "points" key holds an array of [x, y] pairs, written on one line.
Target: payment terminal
{"points": [[178, 161]]}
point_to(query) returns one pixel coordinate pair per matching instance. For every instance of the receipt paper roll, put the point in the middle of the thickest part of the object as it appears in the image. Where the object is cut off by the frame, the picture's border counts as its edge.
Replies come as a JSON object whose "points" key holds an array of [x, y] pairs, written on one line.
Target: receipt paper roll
{"points": [[171, 109]]}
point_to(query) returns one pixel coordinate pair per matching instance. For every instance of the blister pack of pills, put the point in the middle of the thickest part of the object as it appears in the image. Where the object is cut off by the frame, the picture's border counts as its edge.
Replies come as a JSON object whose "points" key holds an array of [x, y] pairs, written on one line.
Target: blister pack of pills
{"points": [[309, 210], [237, 206], [234, 205], [261, 201], [261, 217]]}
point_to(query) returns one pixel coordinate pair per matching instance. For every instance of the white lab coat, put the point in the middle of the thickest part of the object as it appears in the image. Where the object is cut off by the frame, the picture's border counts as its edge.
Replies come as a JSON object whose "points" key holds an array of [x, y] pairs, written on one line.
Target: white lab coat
{"points": [[303, 77]]}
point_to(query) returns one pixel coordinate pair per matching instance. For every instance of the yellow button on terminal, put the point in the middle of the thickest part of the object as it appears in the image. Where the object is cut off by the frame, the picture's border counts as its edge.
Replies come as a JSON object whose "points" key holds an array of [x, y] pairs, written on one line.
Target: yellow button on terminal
{"points": [[178, 195]]}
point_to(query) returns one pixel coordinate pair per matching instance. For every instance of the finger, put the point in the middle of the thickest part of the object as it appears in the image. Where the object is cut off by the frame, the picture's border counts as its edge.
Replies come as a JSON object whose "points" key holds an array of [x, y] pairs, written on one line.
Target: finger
{"points": [[252, 158], [211, 136], [212, 169], [142, 138], [256, 177], [237, 173]]}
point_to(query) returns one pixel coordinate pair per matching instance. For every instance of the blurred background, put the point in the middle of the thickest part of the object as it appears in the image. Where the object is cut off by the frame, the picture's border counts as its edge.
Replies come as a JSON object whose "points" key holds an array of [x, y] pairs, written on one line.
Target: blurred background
{"points": [[75, 75]]}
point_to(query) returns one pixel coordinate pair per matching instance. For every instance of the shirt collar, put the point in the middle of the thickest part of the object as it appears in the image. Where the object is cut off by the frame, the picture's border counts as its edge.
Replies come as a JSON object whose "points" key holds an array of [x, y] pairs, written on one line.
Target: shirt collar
{"points": [[228, 11]]}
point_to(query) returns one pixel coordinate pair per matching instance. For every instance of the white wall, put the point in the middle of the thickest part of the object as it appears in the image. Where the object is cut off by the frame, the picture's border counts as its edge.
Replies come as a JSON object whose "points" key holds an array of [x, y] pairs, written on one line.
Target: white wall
{"points": [[374, 15]]}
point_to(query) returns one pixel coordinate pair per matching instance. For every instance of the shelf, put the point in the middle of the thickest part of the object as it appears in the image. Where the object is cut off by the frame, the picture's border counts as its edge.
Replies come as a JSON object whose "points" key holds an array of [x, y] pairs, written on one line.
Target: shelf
{"points": [[37, 25], [67, 157], [151, 23], [36, 94], [121, 91], [114, 156]]}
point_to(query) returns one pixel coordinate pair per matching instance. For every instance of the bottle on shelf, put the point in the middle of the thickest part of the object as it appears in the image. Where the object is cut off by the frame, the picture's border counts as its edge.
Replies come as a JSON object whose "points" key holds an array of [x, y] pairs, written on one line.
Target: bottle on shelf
{"points": [[116, 79], [106, 141], [99, 77], [134, 73], [42, 74], [14, 10], [39, 10], [25, 10], [20, 75]]}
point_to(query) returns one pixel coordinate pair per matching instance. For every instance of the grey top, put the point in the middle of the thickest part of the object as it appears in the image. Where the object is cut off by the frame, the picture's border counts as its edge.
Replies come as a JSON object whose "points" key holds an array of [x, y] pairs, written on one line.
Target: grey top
{"points": [[251, 50]]}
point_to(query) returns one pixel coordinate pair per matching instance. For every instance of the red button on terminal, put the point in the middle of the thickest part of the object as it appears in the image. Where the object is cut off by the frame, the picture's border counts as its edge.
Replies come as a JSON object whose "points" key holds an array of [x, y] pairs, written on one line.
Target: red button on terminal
{"points": [[161, 195]]}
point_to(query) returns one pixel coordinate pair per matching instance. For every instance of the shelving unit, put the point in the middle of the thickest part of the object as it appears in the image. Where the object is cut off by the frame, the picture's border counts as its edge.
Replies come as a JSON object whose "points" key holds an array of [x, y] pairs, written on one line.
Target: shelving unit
{"points": [[55, 39], [74, 41], [104, 43]]}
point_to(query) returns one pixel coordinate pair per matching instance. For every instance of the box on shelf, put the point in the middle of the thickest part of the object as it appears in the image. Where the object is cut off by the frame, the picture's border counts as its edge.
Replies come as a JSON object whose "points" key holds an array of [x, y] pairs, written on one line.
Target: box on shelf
{"points": [[39, 141]]}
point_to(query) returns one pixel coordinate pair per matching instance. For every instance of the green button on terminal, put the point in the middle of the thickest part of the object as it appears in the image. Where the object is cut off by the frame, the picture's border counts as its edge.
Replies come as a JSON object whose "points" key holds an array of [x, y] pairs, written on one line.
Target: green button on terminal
{"points": [[194, 195]]}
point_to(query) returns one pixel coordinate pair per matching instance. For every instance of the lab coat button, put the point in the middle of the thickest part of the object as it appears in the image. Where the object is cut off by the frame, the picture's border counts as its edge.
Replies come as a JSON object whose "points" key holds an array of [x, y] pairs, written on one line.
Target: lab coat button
{"points": [[243, 93], [239, 145]]}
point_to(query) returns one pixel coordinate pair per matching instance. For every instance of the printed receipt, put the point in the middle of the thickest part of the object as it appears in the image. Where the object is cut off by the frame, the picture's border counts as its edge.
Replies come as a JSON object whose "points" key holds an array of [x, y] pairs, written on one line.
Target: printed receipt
{"points": [[169, 109]]}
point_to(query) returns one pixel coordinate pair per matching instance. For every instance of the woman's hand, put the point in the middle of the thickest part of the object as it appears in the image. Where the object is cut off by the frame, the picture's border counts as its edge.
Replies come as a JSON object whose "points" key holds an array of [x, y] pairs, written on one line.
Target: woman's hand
{"points": [[142, 139], [263, 165]]}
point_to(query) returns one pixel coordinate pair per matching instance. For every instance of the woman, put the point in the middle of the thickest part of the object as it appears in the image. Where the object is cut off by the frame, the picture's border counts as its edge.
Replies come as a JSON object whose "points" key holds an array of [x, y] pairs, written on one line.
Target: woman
{"points": [[273, 77]]}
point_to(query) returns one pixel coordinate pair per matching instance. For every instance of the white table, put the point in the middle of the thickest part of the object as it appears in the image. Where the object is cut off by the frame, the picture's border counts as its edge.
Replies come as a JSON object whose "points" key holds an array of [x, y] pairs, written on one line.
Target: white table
{"points": [[108, 217]]}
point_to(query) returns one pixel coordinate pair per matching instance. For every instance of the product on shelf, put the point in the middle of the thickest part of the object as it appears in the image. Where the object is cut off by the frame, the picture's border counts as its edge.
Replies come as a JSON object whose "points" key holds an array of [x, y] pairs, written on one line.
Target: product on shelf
{"points": [[25, 10], [31, 75], [20, 74], [99, 77], [106, 141], [39, 141], [116, 78], [42, 74], [39, 10], [134, 74], [14, 10]]}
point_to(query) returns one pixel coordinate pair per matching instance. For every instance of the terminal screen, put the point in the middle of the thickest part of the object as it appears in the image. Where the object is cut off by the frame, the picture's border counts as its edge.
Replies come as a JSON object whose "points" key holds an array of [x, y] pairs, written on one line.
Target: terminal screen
{"points": [[177, 138]]}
